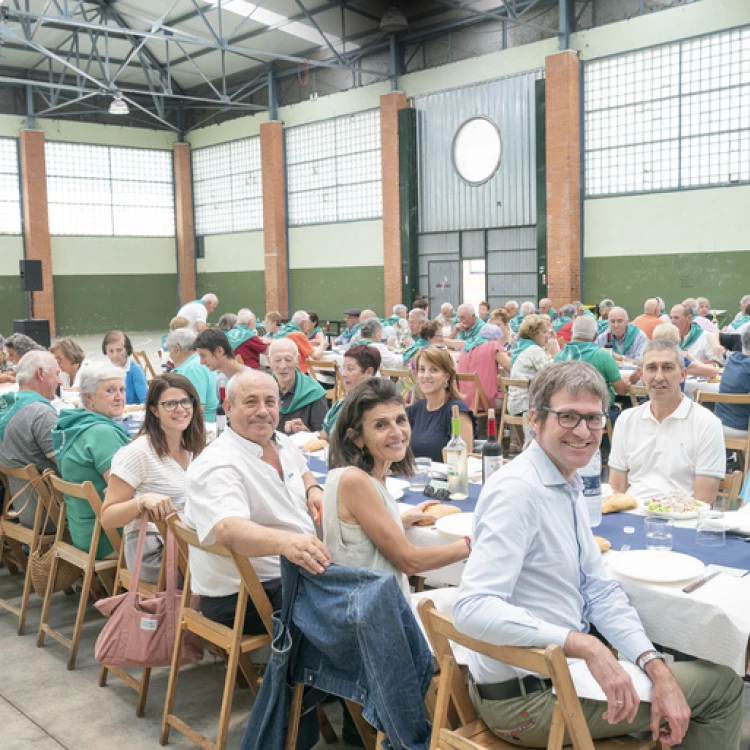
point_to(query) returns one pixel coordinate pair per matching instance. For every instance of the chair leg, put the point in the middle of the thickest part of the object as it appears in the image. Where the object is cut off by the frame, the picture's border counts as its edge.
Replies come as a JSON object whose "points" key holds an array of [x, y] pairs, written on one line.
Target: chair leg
{"points": [[25, 600], [82, 604], [172, 685], [226, 701], [250, 672], [295, 710], [143, 692], [326, 728], [103, 672], [47, 602], [366, 731]]}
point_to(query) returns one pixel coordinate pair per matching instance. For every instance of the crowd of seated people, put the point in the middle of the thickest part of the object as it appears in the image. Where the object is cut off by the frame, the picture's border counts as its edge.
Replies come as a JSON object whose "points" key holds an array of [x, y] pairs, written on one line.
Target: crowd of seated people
{"points": [[252, 491]]}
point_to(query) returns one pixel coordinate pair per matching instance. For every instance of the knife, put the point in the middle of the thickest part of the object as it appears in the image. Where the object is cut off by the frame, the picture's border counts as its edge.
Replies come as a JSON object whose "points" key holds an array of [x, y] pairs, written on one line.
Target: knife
{"points": [[697, 584]]}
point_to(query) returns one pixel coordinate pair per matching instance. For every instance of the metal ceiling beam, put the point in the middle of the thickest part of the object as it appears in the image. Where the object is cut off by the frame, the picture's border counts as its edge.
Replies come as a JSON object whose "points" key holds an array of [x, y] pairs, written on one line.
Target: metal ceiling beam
{"points": [[327, 41]]}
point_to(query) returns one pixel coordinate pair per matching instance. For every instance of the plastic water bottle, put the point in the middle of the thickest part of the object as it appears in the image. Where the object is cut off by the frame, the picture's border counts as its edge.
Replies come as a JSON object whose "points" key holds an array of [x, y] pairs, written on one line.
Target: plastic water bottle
{"points": [[591, 474]]}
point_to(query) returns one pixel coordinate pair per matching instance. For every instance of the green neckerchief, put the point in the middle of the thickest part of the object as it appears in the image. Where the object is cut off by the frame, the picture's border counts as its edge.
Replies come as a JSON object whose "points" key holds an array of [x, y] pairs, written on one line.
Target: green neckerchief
{"points": [[589, 313], [520, 346], [164, 341], [315, 331], [288, 328], [552, 312], [486, 319], [602, 325], [366, 342], [239, 335], [73, 423], [392, 321], [473, 333], [306, 390], [740, 322], [418, 344], [558, 323], [348, 333], [196, 302], [582, 350], [10, 403], [515, 323], [693, 335], [631, 332], [329, 421]]}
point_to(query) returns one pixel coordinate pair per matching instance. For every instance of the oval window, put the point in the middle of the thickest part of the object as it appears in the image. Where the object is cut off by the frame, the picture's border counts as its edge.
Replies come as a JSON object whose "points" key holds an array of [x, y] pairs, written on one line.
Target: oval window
{"points": [[476, 150]]}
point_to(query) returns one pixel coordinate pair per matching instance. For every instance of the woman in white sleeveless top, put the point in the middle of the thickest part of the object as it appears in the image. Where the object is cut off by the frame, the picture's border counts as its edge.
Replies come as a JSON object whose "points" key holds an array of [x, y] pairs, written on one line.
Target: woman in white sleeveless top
{"points": [[362, 526]]}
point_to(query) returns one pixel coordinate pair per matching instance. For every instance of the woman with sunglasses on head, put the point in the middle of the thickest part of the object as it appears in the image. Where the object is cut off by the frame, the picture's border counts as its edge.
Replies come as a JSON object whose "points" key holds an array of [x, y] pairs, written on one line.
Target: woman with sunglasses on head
{"points": [[149, 474]]}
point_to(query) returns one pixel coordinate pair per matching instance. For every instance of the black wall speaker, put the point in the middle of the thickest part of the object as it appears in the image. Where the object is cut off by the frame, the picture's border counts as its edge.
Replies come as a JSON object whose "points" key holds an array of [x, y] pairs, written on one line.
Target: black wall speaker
{"points": [[200, 247], [31, 275], [35, 328]]}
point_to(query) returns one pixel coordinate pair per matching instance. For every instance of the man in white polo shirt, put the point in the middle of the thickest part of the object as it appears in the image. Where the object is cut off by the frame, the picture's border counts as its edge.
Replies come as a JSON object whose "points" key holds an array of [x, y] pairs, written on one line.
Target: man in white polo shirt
{"points": [[198, 310], [251, 491], [670, 443]]}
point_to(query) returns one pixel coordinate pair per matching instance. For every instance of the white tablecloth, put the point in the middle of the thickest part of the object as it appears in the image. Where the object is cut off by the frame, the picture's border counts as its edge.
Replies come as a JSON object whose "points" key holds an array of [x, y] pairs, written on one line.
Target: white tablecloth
{"points": [[698, 384]]}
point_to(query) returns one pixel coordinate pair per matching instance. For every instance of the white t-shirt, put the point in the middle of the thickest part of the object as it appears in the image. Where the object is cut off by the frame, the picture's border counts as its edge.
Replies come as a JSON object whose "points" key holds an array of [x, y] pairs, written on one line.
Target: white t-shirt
{"points": [[700, 350], [230, 479], [139, 466], [194, 312], [530, 361], [662, 457]]}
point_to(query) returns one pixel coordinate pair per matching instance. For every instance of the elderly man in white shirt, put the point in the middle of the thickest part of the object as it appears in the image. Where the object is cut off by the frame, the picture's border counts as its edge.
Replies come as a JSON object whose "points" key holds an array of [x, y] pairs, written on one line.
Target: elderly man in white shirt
{"points": [[371, 333], [670, 443], [535, 576], [694, 341], [251, 491], [197, 311]]}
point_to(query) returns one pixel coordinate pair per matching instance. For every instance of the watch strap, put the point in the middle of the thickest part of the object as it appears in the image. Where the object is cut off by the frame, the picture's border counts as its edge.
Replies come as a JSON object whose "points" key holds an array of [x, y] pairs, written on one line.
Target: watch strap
{"points": [[648, 656]]}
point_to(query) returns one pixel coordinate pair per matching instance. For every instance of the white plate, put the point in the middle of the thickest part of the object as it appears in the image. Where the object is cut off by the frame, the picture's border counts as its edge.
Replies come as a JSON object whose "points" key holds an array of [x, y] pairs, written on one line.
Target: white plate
{"points": [[677, 516], [396, 487], [456, 526], [656, 567]]}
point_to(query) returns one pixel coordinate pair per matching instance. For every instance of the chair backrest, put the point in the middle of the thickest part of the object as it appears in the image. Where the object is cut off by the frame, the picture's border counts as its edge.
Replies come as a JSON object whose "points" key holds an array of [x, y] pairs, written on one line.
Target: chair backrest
{"points": [[505, 385], [637, 391], [452, 691], [86, 491], [31, 477], [730, 488], [142, 359], [330, 369], [704, 397], [481, 402], [186, 538]]}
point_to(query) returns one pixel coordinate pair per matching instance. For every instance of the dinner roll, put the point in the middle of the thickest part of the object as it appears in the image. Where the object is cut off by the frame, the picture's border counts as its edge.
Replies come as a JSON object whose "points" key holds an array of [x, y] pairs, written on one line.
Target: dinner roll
{"points": [[314, 445], [438, 510], [617, 502], [604, 544]]}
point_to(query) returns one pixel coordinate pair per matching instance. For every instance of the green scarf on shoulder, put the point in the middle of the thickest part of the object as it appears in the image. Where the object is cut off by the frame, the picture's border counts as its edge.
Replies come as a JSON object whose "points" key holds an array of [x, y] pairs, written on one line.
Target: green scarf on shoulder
{"points": [[631, 333], [288, 328], [519, 347], [602, 325], [11, 403], [392, 321], [578, 350], [740, 322], [315, 331], [239, 335], [472, 337], [329, 421], [306, 390], [73, 423], [694, 334], [558, 323], [365, 342], [418, 344], [515, 323]]}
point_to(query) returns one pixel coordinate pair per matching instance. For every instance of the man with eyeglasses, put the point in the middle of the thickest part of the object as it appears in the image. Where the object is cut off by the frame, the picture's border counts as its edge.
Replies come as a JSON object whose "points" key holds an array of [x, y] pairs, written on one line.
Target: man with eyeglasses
{"points": [[535, 577], [670, 443]]}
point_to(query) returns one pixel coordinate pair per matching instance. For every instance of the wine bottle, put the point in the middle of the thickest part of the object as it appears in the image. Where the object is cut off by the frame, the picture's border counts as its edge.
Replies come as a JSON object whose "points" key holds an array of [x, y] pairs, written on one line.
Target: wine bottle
{"points": [[492, 451], [458, 470], [221, 415]]}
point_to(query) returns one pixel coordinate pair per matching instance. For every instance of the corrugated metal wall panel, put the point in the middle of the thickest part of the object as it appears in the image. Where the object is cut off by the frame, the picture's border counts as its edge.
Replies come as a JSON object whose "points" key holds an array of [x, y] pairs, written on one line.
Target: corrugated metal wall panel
{"points": [[508, 198], [511, 265]]}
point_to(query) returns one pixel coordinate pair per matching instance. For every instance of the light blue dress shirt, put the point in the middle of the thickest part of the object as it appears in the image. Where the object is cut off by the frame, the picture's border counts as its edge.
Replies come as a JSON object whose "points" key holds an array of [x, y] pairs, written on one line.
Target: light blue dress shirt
{"points": [[535, 572]]}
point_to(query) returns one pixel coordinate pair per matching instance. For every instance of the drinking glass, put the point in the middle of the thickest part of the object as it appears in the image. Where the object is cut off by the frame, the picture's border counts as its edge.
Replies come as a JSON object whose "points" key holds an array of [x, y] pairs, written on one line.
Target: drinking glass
{"points": [[711, 530], [421, 476], [659, 533]]}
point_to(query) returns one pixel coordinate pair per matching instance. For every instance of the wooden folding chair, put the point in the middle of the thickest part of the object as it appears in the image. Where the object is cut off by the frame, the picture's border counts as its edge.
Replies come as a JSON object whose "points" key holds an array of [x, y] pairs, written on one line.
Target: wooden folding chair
{"points": [[510, 420], [637, 392], [481, 402], [231, 640], [16, 535], [142, 359], [122, 583], [473, 733], [405, 379], [735, 444], [85, 560], [729, 491], [330, 370]]}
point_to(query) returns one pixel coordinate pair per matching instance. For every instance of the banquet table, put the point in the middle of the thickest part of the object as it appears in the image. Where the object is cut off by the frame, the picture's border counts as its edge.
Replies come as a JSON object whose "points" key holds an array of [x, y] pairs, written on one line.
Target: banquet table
{"points": [[712, 623]]}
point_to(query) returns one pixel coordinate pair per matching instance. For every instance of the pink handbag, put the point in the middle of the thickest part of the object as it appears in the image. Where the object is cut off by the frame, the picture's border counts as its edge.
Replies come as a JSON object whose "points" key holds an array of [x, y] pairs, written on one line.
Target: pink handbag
{"points": [[141, 629]]}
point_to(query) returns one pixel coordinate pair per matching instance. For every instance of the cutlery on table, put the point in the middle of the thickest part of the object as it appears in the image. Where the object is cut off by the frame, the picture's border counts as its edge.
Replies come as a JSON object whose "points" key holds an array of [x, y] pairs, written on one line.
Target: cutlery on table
{"points": [[700, 582]]}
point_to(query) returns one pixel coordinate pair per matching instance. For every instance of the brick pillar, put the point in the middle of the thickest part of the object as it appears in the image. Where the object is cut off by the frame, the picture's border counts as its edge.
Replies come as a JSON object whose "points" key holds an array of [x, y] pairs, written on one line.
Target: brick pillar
{"points": [[390, 104], [183, 209], [36, 221], [563, 123], [274, 216]]}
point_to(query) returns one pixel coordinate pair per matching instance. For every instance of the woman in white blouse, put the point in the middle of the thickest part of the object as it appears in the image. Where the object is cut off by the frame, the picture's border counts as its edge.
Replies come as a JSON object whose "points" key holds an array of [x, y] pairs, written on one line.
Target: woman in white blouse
{"points": [[149, 474]]}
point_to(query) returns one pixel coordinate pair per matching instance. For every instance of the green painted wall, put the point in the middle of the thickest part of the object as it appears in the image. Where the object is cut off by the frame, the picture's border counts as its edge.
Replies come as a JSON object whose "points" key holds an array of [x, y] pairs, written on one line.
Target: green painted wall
{"points": [[12, 303], [235, 290], [96, 304], [330, 291], [722, 277]]}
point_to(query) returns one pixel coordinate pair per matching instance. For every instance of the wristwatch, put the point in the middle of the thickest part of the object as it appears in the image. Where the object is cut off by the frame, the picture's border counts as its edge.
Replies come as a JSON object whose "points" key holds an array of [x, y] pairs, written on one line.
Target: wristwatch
{"points": [[648, 656]]}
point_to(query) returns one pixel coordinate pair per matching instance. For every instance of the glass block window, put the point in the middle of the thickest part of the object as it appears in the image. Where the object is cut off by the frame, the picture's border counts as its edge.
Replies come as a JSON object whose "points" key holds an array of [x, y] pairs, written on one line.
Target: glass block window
{"points": [[672, 117], [333, 170], [228, 187], [109, 191], [10, 192]]}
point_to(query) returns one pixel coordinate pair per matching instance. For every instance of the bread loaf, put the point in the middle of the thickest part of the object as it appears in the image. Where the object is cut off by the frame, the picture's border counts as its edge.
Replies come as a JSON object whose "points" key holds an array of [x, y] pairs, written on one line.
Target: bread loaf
{"points": [[438, 510], [618, 502], [604, 544]]}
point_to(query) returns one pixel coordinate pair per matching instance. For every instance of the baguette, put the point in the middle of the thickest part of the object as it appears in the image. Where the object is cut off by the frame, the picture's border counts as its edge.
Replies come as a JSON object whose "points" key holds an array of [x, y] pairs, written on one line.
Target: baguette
{"points": [[438, 510], [618, 502]]}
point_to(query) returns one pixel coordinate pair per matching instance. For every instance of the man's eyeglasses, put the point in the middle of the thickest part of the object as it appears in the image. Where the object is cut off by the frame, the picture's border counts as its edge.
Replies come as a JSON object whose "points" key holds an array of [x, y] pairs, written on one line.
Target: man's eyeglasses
{"points": [[185, 403], [569, 420]]}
